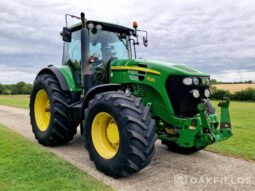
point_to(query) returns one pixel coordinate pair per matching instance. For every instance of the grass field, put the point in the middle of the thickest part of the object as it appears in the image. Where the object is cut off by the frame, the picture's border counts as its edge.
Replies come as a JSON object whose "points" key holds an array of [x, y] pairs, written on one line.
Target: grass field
{"points": [[241, 144], [20, 101], [234, 87], [27, 166]]}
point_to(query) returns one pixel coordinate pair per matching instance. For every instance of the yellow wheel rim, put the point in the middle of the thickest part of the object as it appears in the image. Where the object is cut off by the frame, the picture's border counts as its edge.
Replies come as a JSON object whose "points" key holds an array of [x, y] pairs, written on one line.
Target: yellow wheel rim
{"points": [[105, 135], [42, 110]]}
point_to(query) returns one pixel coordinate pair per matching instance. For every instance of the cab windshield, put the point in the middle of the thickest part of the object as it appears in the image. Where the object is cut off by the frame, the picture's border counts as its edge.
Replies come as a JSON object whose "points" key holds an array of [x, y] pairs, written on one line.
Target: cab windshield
{"points": [[106, 45]]}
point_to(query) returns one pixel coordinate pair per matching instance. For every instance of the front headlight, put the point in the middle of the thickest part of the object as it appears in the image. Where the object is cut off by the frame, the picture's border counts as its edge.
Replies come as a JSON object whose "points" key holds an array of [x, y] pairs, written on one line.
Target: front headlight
{"points": [[207, 81], [195, 93], [196, 81], [187, 81], [207, 93]]}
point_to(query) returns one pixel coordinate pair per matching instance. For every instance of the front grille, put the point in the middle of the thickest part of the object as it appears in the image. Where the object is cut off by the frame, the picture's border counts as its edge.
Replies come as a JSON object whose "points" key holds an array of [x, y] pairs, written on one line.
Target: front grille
{"points": [[142, 90], [183, 102]]}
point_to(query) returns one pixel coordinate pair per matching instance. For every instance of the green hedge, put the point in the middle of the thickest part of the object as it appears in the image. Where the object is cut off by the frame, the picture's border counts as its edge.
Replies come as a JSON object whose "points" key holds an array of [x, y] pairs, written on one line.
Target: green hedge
{"points": [[14, 89], [243, 95]]}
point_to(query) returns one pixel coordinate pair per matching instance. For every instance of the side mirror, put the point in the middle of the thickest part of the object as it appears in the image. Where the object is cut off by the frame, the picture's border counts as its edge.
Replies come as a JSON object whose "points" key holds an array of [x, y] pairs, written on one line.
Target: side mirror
{"points": [[145, 41], [67, 34]]}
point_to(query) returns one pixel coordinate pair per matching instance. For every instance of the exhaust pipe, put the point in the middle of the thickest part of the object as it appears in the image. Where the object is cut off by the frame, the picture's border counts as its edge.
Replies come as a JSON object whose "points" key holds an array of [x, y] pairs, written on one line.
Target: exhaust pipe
{"points": [[85, 66]]}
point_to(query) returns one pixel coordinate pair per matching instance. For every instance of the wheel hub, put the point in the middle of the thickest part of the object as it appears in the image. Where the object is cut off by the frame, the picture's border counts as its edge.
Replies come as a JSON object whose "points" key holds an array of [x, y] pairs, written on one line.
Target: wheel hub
{"points": [[42, 110], [105, 135], [112, 133]]}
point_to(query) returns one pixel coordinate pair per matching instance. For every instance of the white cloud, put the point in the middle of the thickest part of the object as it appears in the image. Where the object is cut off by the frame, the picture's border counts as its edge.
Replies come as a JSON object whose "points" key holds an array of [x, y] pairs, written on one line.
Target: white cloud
{"points": [[10, 77], [237, 76], [216, 37]]}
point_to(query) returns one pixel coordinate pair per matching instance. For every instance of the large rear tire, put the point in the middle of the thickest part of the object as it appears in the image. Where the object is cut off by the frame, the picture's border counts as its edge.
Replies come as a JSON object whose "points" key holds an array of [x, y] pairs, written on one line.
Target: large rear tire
{"points": [[49, 114], [182, 150], [119, 133]]}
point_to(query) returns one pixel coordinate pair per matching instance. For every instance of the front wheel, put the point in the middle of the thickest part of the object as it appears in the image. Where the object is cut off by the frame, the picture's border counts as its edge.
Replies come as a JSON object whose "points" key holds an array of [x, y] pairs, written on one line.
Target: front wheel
{"points": [[119, 133]]}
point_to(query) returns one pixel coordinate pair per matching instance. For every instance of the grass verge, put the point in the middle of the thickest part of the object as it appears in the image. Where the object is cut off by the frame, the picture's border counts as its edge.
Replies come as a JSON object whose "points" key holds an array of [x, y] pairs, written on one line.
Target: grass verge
{"points": [[27, 166], [242, 143], [20, 101]]}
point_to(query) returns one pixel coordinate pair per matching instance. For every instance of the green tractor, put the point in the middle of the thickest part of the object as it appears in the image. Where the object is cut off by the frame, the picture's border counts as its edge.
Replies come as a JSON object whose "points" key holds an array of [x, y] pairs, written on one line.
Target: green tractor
{"points": [[122, 104]]}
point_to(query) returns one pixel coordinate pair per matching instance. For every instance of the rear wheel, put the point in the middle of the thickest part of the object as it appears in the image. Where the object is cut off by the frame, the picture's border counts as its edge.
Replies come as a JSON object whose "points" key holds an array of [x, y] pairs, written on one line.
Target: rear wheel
{"points": [[182, 150], [119, 133], [49, 114]]}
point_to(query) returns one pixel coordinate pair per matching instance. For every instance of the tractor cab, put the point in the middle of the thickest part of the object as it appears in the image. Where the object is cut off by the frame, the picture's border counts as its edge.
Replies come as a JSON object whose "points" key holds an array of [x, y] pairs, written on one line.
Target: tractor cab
{"points": [[104, 43]]}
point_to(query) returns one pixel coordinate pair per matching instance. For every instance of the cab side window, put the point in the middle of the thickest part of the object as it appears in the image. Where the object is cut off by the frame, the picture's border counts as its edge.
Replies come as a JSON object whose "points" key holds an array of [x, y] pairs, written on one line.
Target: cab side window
{"points": [[72, 51]]}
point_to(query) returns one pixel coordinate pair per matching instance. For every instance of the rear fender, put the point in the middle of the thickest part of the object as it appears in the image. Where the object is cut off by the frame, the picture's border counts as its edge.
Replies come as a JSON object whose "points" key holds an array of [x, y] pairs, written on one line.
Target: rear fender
{"points": [[56, 72]]}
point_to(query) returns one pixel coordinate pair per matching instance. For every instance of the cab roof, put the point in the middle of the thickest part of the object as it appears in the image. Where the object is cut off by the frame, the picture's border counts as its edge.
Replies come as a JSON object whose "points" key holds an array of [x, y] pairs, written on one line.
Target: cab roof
{"points": [[106, 26]]}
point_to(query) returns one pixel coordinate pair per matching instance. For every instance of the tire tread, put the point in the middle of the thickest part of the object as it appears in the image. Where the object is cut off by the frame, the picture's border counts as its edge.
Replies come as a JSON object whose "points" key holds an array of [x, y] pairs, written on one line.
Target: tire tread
{"points": [[140, 132]]}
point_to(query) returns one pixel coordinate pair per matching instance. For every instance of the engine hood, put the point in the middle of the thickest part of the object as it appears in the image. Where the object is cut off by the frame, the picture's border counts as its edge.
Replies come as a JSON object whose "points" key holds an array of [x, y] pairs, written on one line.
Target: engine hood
{"points": [[164, 68]]}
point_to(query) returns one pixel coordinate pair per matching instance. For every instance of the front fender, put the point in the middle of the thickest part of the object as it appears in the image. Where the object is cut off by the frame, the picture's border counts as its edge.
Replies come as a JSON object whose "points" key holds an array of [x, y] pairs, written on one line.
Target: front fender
{"points": [[96, 90]]}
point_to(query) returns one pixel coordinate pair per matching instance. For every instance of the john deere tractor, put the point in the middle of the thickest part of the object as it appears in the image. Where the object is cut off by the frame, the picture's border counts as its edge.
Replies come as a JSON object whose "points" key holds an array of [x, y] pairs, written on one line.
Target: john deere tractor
{"points": [[122, 104]]}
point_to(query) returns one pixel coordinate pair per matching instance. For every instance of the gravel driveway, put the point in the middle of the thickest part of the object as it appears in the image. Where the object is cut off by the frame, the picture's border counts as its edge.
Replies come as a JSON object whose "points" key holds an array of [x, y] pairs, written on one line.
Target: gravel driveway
{"points": [[167, 171]]}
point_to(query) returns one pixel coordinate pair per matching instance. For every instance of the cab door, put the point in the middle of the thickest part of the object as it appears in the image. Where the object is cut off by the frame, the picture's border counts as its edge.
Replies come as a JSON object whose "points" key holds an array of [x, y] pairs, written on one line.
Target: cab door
{"points": [[72, 56]]}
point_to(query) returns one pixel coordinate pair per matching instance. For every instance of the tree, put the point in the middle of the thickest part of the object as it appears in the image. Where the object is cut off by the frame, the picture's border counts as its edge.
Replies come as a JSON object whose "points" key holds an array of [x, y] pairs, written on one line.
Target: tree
{"points": [[28, 88], [248, 82], [20, 87], [13, 88], [213, 81], [1, 88]]}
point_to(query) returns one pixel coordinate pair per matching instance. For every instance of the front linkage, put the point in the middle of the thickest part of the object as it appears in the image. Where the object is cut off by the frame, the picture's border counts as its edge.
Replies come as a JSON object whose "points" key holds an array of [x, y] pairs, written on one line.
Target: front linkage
{"points": [[211, 132], [202, 130]]}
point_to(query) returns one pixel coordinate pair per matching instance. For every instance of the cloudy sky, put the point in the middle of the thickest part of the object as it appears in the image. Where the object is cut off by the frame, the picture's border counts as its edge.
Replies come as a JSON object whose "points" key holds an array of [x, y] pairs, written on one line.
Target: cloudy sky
{"points": [[217, 37]]}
